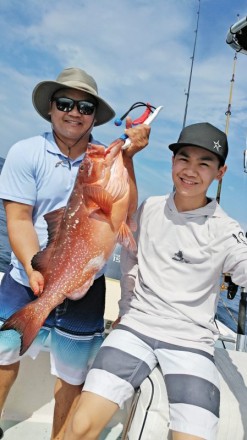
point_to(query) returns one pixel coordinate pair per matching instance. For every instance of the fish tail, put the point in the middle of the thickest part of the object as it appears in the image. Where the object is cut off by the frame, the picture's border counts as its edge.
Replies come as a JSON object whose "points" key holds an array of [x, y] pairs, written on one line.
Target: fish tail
{"points": [[27, 322]]}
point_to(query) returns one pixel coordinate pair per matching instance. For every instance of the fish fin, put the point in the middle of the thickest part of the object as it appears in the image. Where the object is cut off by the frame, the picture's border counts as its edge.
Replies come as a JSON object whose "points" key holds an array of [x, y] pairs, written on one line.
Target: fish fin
{"points": [[82, 290], [27, 322], [40, 261], [53, 220], [119, 186], [99, 215], [132, 224], [99, 196], [125, 237]]}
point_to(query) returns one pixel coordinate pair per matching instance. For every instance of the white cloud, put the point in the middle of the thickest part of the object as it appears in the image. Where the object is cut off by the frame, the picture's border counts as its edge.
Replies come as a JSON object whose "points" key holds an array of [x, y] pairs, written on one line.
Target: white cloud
{"points": [[138, 51]]}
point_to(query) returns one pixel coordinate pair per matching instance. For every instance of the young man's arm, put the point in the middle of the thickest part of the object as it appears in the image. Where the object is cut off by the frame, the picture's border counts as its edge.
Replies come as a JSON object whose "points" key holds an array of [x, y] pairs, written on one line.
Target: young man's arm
{"points": [[129, 269]]}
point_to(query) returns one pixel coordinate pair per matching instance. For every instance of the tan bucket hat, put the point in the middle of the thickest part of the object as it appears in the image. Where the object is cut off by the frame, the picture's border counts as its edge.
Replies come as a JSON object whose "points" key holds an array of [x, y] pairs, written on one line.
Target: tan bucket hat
{"points": [[71, 78]]}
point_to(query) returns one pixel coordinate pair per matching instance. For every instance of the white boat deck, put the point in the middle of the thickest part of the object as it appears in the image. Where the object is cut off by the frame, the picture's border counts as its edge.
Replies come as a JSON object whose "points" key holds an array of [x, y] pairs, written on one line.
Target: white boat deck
{"points": [[29, 409]]}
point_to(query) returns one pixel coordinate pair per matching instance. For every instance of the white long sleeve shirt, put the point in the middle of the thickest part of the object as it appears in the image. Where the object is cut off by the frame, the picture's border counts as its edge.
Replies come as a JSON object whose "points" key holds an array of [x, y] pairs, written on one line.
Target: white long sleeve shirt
{"points": [[170, 286]]}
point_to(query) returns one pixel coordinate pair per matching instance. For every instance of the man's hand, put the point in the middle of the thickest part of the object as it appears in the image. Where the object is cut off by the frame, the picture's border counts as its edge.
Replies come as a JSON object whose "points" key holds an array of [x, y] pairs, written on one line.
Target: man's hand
{"points": [[138, 135], [36, 281]]}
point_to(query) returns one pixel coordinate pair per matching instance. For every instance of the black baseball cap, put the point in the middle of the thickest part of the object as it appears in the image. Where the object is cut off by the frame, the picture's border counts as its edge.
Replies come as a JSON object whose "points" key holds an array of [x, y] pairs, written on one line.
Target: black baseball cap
{"points": [[203, 135]]}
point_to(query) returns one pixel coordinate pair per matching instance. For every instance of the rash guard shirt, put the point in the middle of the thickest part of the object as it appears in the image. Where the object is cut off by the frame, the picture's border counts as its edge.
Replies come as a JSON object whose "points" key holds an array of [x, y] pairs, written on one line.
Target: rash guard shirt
{"points": [[171, 285]]}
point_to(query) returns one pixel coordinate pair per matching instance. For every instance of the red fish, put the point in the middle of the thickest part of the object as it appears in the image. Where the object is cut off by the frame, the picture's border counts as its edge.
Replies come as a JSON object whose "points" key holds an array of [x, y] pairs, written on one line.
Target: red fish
{"points": [[81, 237]]}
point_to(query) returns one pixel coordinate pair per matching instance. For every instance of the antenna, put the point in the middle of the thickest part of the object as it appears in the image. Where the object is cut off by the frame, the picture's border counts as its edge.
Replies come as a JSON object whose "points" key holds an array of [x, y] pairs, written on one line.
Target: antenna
{"points": [[228, 115], [191, 68]]}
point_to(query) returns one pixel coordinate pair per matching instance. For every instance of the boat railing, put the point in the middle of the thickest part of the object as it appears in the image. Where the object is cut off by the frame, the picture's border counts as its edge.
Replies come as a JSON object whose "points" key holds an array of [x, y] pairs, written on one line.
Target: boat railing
{"points": [[232, 288], [241, 344]]}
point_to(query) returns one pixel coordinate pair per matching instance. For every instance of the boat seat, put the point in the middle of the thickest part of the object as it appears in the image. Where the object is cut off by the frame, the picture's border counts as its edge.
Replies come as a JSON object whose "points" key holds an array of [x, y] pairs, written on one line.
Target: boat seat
{"points": [[232, 366]]}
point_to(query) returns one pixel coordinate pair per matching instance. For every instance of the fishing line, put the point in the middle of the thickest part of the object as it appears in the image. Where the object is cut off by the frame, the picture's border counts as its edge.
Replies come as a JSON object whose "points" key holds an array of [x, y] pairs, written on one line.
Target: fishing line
{"points": [[118, 121], [191, 67]]}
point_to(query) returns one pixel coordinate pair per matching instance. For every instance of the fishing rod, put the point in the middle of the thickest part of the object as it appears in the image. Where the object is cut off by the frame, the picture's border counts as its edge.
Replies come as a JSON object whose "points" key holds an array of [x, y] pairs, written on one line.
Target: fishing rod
{"points": [[228, 284], [237, 39], [228, 115], [187, 93], [191, 67], [245, 158]]}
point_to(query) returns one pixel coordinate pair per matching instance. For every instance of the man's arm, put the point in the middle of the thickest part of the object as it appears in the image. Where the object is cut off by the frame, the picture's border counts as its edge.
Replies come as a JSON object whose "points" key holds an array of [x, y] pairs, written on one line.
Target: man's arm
{"points": [[23, 240]]}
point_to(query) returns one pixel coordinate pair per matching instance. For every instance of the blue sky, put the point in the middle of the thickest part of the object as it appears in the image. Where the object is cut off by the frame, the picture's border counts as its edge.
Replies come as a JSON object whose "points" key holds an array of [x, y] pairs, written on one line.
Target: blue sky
{"points": [[137, 50]]}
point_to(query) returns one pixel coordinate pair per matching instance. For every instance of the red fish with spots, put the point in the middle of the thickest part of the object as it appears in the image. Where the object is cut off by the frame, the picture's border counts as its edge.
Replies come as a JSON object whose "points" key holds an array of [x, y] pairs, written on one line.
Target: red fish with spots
{"points": [[81, 237]]}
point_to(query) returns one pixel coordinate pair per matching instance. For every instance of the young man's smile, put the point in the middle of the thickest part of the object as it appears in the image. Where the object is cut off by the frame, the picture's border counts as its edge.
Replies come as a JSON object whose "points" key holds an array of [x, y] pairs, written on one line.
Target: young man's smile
{"points": [[193, 171]]}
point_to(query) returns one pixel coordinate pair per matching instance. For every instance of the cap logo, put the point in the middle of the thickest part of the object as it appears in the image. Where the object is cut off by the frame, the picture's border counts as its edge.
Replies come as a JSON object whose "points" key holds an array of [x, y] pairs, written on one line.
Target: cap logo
{"points": [[217, 145]]}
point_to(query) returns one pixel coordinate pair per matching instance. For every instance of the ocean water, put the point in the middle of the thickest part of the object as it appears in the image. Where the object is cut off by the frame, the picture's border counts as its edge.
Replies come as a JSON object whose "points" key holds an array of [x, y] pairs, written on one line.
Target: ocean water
{"points": [[227, 311]]}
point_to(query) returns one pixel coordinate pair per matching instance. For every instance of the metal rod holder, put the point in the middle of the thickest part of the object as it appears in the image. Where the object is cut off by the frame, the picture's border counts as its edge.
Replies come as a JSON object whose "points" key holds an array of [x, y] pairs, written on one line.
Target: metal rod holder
{"points": [[241, 344]]}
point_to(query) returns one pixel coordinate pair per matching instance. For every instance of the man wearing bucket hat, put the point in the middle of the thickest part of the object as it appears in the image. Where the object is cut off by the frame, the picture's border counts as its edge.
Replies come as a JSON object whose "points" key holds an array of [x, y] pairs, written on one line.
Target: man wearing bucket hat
{"points": [[170, 289], [37, 178]]}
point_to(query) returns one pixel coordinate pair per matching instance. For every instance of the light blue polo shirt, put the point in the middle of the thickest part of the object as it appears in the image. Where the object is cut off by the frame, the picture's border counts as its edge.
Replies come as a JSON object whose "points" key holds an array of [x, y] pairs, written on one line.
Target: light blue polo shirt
{"points": [[36, 173]]}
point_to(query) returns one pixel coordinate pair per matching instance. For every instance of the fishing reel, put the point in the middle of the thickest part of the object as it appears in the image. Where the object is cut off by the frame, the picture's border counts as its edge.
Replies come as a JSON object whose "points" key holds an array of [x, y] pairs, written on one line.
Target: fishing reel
{"points": [[237, 36], [230, 286]]}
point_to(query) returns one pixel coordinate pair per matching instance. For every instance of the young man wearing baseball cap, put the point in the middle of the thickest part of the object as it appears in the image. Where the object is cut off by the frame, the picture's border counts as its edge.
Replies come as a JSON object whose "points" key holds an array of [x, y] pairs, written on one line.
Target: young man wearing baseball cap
{"points": [[38, 177], [170, 289]]}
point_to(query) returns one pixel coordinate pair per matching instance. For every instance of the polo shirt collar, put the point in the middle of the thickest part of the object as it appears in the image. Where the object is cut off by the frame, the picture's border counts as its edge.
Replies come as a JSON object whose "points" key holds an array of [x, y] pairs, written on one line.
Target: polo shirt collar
{"points": [[51, 146]]}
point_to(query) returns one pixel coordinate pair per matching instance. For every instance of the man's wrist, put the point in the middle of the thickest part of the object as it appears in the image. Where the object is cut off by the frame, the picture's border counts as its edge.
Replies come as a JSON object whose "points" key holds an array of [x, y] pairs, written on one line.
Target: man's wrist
{"points": [[127, 157]]}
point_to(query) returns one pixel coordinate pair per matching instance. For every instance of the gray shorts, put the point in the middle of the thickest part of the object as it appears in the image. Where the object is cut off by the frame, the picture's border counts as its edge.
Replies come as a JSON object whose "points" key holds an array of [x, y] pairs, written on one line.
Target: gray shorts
{"points": [[126, 358]]}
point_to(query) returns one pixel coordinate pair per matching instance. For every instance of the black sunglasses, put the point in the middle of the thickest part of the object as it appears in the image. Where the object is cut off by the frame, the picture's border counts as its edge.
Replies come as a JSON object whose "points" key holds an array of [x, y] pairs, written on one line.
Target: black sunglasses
{"points": [[67, 104]]}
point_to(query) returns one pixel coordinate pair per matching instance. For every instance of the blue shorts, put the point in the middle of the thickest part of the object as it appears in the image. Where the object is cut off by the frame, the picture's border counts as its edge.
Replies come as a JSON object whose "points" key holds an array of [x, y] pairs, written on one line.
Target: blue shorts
{"points": [[73, 332], [126, 358]]}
